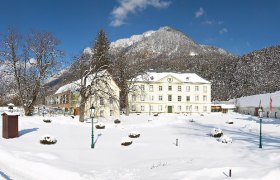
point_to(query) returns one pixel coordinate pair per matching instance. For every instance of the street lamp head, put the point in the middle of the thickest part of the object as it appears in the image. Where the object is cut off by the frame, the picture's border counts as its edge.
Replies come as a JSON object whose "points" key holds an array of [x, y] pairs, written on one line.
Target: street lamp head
{"points": [[260, 112], [92, 111]]}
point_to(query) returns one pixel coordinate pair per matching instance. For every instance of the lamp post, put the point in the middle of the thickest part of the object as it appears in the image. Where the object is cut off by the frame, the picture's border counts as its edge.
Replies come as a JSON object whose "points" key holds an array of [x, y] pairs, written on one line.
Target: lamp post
{"points": [[92, 113], [260, 116]]}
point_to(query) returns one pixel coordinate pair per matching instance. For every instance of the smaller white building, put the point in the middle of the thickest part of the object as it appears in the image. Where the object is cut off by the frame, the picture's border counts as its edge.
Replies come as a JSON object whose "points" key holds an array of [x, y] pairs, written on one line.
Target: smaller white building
{"points": [[105, 98], [169, 92]]}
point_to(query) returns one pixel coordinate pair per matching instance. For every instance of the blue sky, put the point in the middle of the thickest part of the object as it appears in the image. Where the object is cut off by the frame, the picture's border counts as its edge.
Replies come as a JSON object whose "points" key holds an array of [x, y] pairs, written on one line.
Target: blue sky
{"points": [[238, 26]]}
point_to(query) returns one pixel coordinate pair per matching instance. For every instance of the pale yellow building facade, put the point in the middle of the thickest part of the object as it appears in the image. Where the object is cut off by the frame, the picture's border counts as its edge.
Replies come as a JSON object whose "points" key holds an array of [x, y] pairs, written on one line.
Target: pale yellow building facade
{"points": [[168, 92]]}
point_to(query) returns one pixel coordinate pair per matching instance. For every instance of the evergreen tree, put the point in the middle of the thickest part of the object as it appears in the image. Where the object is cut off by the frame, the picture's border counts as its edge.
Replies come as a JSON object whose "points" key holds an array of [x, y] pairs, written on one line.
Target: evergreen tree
{"points": [[101, 51]]}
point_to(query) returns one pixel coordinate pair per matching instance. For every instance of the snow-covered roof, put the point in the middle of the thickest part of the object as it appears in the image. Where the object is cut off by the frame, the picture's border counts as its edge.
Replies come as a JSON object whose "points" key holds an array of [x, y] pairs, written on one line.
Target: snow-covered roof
{"points": [[254, 101], [184, 77], [74, 86]]}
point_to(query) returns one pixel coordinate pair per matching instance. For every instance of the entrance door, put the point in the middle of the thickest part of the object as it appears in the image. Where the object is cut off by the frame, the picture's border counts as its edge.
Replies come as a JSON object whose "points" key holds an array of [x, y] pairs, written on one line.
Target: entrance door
{"points": [[169, 109]]}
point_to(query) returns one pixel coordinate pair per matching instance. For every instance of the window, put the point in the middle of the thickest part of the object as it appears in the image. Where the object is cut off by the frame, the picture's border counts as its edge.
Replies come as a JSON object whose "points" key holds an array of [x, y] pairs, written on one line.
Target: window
{"points": [[160, 98], [102, 113], [160, 88], [133, 108], [179, 98], [188, 98], [159, 107], [188, 108], [101, 101], [142, 97], [67, 98], [205, 89], [111, 100], [151, 88], [133, 98], [188, 88], [151, 98], [169, 88], [204, 98], [134, 88], [169, 80], [111, 112], [196, 88], [196, 108], [179, 108], [151, 108], [142, 108], [179, 88], [196, 98], [169, 97], [142, 87], [204, 108]]}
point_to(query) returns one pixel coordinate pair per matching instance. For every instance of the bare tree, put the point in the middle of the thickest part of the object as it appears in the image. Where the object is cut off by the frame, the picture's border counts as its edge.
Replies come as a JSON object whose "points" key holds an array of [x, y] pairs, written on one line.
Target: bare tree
{"points": [[124, 71], [29, 60], [93, 81], [91, 70]]}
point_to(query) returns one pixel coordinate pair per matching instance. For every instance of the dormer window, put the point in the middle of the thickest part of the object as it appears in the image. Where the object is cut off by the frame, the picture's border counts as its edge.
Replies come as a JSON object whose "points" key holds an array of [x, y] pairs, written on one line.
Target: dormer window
{"points": [[169, 80], [152, 77], [187, 78]]}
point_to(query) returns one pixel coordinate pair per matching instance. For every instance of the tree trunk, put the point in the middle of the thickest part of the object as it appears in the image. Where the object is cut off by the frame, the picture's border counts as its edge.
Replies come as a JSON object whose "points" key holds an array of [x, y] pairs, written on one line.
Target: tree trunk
{"points": [[82, 109], [28, 111], [126, 104]]}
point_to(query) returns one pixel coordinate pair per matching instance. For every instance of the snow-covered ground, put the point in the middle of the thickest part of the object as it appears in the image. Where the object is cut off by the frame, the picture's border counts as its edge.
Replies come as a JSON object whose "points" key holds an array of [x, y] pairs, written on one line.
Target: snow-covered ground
{"points": [[154, 155]]}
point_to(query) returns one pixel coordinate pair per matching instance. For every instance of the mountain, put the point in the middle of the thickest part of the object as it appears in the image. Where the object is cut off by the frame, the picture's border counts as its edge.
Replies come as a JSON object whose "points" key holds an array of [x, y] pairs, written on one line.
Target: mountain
{"points": [[258, 72], [152, 46], [166, 42]]}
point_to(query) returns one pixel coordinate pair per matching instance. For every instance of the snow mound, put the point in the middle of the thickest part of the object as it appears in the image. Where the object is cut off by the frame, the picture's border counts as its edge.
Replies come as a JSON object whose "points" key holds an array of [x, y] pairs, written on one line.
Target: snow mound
{"points": [[100, 125], [126, 141], [47, 139], [225, 139], [216, 132], [134, 134]]}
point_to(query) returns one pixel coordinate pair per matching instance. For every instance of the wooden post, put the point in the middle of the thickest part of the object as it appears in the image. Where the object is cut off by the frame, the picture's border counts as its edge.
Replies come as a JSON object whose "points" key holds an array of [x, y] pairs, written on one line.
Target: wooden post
{"points": [[176, 142], [230, 173]]}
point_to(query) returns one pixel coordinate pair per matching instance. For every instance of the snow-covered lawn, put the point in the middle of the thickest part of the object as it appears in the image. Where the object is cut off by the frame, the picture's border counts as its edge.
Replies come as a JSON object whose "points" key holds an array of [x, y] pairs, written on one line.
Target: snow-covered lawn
{"points": [[154, 155]]}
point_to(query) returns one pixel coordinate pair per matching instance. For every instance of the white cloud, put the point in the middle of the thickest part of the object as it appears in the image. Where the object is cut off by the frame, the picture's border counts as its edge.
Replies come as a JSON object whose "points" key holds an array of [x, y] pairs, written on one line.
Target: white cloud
{"points": [[120, 13], [223, 31], [200, 12]]}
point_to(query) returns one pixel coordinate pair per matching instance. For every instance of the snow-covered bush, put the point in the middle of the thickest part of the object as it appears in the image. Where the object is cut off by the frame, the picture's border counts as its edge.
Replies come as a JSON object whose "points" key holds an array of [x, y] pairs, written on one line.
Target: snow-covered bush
{"points": [[47, 120], [126, 141], [100, 126], [216, 132], [117, 121], [156, 114], [230, 121], [225, 139], [47, 139], [134, 134]]}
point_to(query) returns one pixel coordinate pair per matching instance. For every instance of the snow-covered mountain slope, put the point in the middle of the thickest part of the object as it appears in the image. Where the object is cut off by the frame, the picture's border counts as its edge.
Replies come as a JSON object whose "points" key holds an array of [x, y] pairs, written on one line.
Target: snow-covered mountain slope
{"points": [[165, 41]]}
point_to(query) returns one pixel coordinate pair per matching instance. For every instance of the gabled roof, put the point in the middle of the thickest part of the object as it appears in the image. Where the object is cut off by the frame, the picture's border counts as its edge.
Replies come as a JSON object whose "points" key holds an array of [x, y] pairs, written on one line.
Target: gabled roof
{"points": [[183, 77], [75, 86]]}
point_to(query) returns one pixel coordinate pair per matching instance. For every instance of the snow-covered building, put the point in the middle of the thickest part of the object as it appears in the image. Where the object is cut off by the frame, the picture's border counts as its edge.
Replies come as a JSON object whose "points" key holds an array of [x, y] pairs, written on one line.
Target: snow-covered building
{"points": [[106, 103], [223, 106], [169, 92], [250, 104]]}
